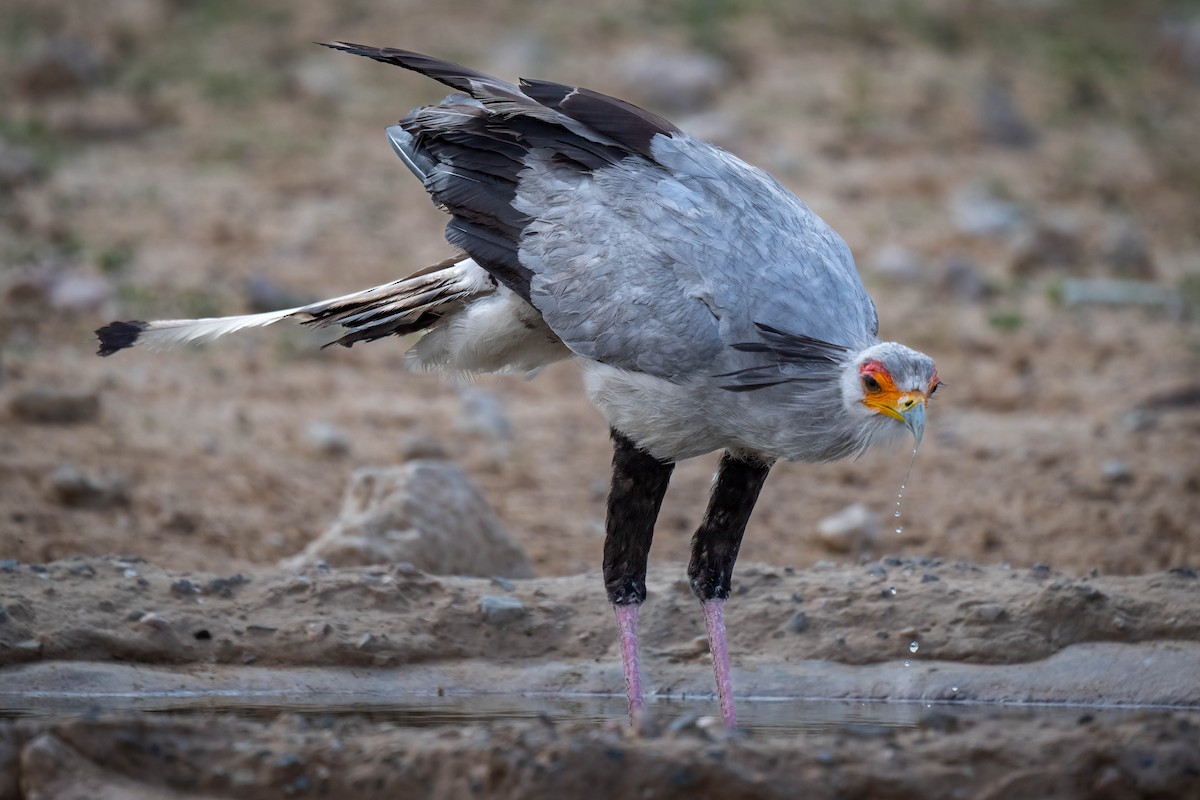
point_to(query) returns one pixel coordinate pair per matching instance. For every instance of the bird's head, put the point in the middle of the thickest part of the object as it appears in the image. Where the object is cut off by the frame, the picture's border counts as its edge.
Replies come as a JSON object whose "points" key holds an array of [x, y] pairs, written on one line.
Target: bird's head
{"points": [[890, 382]]}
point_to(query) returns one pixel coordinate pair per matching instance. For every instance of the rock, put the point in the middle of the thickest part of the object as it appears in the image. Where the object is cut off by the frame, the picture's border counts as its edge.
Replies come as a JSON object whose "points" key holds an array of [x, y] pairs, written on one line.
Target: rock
{"points": [[1179, 46], [1116, 470], [1000, 119], [962, 280], [18, 165], [70, 487], [798, 622], [48, 406], [897, 264], [1110, 292], [59, 67], [1126, 250], [979, 212], [421, 444], [501, 609], [326, 439], [73, 292], [675, 80], [263, 294], [483, 412], [427, 513], [853, 528], [1053, 242], [319, 78]]}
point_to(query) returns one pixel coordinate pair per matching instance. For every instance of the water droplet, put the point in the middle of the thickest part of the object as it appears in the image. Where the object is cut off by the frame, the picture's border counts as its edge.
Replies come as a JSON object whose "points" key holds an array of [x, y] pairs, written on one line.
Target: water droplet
{"points": [[907, 663], [912, 647], [892, 590], [897, 513], [954, 689], [899, 529]]}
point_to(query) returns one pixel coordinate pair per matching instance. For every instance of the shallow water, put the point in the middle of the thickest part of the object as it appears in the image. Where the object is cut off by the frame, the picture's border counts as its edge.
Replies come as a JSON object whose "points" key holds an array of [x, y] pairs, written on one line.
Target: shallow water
{"points": [[764, 718]]}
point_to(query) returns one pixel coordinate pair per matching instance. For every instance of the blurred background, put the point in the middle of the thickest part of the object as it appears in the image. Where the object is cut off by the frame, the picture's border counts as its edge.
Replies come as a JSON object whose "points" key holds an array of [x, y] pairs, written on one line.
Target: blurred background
{"points": [[1019, 182]]}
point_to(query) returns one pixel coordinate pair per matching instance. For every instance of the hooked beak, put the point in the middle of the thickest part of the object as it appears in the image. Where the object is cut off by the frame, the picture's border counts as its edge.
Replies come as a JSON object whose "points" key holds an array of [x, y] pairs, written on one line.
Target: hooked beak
{"points": [[914, 419]]}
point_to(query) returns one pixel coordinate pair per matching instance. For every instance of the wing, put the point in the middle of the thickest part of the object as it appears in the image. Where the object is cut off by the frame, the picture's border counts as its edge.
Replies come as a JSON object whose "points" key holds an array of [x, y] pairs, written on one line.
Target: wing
{"points": [[640, 246], [661, 266]]}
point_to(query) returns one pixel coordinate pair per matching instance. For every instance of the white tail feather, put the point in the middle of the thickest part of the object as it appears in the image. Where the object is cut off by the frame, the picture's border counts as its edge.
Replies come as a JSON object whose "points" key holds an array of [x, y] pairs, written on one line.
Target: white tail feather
{"points": [[168, 332]]}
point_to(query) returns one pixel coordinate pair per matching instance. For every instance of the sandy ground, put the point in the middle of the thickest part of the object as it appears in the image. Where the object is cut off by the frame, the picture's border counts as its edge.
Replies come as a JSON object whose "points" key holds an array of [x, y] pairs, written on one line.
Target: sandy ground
{"points": [[176, 154]]}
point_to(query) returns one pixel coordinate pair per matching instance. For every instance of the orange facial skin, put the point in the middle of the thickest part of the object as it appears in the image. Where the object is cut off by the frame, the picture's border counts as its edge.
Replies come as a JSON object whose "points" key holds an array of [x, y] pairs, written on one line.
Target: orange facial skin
{"points": [[881, 395]]}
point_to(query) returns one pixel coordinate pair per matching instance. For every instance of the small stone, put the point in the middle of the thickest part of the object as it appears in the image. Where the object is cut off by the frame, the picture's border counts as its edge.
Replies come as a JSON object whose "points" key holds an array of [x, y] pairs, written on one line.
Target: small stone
{"points": [[1126, 250], [70, 487], [48, 406], [504, 583], [483, 412], [1115, 470], [929, 577], [1000, 119], [368, 641], [184, 588], [317, 630], [153, 621], [673, 79], [28, 646], [501, 609], [74, 292], [979, 212], [798, 622], [1052, 242], [326, 439], [9, 565], [897, 264], [422, 444], [853, 528], [963, 280]]}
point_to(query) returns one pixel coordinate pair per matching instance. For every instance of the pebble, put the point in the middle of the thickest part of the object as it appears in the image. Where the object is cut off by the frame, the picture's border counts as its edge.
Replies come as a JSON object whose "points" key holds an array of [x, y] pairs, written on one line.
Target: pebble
{"points": [[184, 588], [483, 412], [1000, 118], [1054, 241], [326, 439], [898, 264], [979, 212], [501, 609], [50, 406], [18, 165], [798, 622], [672, 79], [853, 528], [75, 292], [68, 486], [422, 445], [154, 621], [1126, 251], [962, 279], [1116, 470]]}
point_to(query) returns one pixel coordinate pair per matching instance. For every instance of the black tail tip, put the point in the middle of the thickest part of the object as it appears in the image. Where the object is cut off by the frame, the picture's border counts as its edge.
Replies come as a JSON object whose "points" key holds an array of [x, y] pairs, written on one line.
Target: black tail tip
{"points": [[119, 335]]}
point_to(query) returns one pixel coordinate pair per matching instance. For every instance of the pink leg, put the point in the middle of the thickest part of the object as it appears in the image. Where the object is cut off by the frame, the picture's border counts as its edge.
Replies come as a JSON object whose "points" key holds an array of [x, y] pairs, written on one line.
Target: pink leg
{"points": [[627, 625], [714, 620]]}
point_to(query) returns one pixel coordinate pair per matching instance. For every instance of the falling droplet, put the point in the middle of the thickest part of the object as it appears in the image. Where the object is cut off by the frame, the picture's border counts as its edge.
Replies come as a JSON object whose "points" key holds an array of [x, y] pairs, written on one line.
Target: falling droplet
{"points": [[899, 529], [954, 689], [912, 647], [903, 486], [907, 663]]}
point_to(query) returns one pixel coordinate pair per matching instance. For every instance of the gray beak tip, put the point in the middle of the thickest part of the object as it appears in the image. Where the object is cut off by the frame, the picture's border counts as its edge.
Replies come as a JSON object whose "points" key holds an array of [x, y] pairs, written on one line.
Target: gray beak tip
{"points": [[914, 420]]}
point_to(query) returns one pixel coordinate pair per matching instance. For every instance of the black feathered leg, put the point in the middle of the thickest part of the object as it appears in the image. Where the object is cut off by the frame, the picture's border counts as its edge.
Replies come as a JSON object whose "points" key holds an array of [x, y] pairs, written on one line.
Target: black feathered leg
{"points": [[714, 551], [639, 482]]}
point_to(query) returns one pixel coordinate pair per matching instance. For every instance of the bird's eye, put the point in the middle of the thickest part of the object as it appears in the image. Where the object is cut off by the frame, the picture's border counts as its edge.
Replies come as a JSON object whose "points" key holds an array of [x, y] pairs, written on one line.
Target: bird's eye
{"points": [[934, 388], [870, 384]]}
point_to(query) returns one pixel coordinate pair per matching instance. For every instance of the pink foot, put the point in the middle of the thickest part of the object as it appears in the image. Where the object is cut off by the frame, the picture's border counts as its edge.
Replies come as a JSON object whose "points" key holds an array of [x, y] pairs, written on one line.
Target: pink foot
{"points": [[714, 620], [627, 626]]}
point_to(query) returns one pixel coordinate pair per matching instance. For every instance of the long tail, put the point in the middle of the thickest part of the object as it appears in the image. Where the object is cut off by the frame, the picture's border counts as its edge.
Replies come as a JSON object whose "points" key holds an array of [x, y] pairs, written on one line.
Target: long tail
{"points": [[393, 309]]}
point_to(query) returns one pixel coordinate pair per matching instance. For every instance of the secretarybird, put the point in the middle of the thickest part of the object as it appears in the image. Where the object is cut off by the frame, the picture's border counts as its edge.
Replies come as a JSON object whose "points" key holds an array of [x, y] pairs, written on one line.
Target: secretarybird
{"points": [[708, 307]]}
